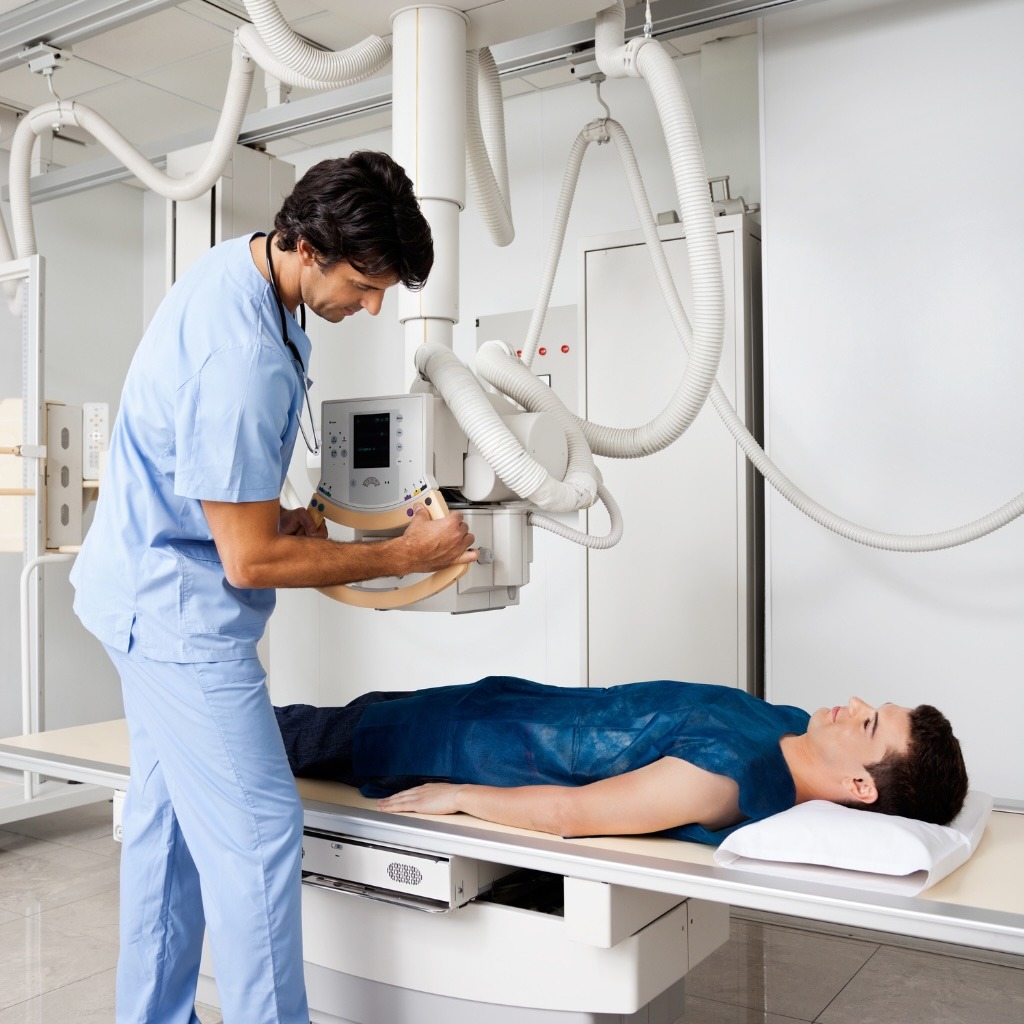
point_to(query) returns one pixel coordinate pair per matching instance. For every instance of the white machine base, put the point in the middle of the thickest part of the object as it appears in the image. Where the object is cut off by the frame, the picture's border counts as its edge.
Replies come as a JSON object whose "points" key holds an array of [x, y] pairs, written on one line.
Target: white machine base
{"points": [[368, 1002], [544, 949], [359, 1001]]}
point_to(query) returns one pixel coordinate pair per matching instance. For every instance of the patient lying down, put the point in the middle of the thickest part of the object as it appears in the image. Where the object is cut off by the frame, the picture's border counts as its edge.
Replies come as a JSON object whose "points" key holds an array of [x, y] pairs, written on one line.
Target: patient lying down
{"points": [[690, 760]]}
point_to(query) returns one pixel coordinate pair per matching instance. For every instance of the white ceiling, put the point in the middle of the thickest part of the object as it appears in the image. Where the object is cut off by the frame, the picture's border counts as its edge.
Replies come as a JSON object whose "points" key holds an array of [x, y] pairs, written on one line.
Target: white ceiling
{"points": [[164, 74]]}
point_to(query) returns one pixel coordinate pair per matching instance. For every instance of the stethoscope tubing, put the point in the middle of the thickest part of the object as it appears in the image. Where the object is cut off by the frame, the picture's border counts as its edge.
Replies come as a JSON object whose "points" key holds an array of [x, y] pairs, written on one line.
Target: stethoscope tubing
{"points": [[293, 348]]}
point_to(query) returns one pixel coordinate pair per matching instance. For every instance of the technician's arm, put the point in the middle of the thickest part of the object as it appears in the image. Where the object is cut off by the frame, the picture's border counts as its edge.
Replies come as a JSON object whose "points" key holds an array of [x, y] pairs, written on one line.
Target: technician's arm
{"points": [[664, 794], [256, 553]]}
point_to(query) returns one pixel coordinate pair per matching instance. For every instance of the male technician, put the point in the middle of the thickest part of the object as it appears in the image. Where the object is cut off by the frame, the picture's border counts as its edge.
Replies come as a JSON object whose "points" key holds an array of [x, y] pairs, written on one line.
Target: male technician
{"points": [[177, 579]]}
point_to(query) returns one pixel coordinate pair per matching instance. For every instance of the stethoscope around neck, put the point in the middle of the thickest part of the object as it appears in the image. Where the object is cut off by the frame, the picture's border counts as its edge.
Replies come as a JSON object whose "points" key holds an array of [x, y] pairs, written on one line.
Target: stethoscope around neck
{"points": [[293, 349]]}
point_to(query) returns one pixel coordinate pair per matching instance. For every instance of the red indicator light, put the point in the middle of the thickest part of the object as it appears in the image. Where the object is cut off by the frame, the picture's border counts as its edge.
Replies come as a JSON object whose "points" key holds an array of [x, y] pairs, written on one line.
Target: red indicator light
{"points": [[565, 348], [542, 351]]}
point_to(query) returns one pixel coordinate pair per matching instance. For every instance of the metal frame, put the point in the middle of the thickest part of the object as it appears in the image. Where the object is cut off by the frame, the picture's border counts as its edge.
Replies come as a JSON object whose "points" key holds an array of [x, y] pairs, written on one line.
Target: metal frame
{"points": [[28, 272], [64, 22], [37, 797]]}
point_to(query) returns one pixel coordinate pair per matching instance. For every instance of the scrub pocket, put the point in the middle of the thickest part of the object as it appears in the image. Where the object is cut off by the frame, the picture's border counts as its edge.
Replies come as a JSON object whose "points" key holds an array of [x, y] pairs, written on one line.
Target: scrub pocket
{"points": [[209, 604]]}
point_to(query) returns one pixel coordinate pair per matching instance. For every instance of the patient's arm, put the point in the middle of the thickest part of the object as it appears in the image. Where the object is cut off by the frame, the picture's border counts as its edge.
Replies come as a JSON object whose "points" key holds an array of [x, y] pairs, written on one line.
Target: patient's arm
{"points": [[661, 795]]}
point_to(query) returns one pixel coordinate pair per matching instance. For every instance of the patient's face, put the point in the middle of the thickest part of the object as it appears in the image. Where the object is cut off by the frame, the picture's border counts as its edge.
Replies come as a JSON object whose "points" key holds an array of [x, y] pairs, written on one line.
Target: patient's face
{"points": [[856, 734]]}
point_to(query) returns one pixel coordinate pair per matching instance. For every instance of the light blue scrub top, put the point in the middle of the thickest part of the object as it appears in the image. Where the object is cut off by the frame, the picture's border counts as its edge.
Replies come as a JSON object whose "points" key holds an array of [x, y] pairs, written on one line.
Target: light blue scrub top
{"points": [[209, 411]]}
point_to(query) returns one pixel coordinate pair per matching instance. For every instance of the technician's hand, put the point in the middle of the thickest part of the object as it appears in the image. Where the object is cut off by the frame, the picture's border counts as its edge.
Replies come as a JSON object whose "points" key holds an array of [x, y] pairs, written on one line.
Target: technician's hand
{"points": [[298, 521], [433, 544], [432, 798]]}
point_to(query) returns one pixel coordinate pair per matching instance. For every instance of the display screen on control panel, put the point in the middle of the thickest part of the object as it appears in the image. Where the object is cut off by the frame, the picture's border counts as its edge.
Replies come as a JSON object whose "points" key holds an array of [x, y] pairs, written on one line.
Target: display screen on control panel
{"points": [[371, 440]]}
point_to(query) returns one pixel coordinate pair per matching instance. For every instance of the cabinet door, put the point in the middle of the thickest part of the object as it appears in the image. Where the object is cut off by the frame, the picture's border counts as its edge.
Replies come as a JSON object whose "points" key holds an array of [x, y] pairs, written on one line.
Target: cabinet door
{"points": [[671, 600]]}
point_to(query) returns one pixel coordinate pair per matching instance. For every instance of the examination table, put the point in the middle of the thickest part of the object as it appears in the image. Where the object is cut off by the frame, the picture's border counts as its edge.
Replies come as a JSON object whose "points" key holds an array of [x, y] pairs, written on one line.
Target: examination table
{"points": [[538, 928]]}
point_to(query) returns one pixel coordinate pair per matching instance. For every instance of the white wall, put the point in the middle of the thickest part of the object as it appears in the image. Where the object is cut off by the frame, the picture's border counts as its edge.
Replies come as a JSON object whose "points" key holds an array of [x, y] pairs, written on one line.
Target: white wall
{"points": [[893, 220], [93, 303], [326, 653]]}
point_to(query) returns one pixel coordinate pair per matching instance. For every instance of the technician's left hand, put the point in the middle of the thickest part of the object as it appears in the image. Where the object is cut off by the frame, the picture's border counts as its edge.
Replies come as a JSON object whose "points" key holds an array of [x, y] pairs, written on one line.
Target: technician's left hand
{"points": [[432, 798], [298, 521]]}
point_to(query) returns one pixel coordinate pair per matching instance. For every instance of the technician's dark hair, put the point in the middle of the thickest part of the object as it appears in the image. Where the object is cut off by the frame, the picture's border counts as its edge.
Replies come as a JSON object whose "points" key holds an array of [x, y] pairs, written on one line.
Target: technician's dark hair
{"points": [[929, 780], [360, 210]]}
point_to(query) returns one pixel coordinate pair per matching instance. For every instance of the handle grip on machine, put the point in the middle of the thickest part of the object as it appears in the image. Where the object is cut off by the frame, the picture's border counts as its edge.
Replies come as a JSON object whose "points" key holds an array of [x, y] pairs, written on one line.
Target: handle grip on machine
{"points": [[392, 519]]}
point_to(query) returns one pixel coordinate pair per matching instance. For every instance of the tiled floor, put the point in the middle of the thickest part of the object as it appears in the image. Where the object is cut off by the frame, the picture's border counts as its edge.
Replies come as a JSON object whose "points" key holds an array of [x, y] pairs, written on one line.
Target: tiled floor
{"points": [[58, 919], [772, 974], [58, 948]]}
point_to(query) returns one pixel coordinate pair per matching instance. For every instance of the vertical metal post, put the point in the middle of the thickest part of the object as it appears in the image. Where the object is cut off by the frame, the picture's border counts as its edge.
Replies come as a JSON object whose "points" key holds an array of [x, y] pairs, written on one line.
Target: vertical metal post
{"points": [[34, 411]]}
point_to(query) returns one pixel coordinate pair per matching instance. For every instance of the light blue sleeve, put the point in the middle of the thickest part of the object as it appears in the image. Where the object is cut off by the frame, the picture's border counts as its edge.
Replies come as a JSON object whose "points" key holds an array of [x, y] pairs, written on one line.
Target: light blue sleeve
{"points": [[234, 424]]}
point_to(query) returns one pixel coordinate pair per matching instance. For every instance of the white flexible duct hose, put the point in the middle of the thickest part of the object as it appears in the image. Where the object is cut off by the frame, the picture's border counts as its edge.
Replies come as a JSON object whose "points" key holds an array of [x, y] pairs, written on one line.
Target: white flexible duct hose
{"points": [[789, 490], [43, 118], [668, 425], [647, 59], [481, 423], [486, 155], [587, 540], [363, 60], [690, 177], [753, 451], [844, 527], [316, 69], [294, 56], [570, 176], [499, 366]]}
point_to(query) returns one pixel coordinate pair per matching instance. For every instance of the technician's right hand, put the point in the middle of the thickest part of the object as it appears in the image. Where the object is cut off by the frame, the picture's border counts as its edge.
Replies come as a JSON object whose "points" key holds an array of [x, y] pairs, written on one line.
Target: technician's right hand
{"points": [[433, 544]]}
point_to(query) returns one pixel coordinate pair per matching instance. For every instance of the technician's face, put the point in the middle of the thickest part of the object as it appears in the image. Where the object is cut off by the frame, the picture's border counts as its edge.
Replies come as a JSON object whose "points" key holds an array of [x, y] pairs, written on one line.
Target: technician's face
{"points": [[858, 734], [342, 291]]}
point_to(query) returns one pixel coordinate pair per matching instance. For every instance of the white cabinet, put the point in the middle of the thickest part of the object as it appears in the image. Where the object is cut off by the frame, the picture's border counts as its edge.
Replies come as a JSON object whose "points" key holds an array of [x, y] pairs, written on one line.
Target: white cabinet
{"points": [[681, 596]]}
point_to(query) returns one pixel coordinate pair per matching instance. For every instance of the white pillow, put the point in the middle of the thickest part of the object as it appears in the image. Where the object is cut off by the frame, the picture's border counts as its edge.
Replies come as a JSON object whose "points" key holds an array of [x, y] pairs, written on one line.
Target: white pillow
{"points": [[825, 842]]}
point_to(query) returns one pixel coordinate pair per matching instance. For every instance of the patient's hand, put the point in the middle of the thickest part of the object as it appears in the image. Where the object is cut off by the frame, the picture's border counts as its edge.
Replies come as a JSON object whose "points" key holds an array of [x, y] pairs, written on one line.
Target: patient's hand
{"points": [[432, 798]]}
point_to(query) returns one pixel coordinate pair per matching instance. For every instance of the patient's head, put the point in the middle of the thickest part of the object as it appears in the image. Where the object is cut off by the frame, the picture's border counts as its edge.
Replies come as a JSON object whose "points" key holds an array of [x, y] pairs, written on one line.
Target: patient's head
{"points": [[928, 779], [892, 759]]}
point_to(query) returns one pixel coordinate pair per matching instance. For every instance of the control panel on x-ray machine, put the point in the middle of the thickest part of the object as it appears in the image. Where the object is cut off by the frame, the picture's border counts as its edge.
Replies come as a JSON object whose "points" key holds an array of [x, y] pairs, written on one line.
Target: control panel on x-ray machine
{"points": [[377, 453]]}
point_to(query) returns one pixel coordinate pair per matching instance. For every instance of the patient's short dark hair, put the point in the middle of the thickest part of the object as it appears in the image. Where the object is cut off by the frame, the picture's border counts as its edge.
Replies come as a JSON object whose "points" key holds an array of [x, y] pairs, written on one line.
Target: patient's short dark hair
{"points": [[929, 780], [361, 210]]}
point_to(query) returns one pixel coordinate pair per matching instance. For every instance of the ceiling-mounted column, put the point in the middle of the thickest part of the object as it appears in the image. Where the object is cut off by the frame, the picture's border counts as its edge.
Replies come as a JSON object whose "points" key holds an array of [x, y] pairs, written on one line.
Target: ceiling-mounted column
{"points": [[429, 141]]}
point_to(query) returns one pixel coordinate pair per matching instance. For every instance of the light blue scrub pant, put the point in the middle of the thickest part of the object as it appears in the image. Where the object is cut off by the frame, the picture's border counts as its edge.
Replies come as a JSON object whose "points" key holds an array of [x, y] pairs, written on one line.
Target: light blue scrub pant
{"points": [[212, 823]]}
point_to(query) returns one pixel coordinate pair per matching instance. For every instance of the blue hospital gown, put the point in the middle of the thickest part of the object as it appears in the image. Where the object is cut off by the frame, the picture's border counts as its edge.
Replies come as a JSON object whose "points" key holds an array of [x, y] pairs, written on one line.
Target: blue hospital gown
{"points": [[503, 731]]}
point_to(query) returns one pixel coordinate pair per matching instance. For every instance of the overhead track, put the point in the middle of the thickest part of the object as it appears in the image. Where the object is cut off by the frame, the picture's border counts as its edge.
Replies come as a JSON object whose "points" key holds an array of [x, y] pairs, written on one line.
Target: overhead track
{"points": [[66, 22], [520, 57]]}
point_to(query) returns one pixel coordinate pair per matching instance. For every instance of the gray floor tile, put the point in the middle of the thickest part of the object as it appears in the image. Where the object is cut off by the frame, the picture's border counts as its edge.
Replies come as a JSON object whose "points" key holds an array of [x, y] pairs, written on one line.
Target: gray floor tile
{"points": [[95, 916], [901, 986], [12, 844], [37, 958], [70, 827], [49, 875], [90, 1001], [107, 846], [707, 1011], [778, 971], [209, 1014]]}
